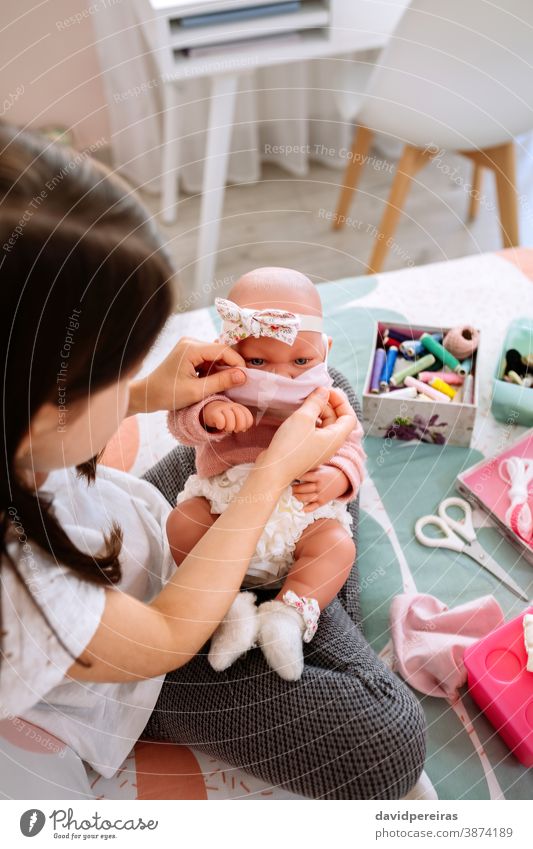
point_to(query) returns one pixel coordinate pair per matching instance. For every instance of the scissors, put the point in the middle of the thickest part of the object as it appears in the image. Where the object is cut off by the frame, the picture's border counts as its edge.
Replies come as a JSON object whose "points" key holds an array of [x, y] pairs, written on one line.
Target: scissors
{"points": [[452, 530]]}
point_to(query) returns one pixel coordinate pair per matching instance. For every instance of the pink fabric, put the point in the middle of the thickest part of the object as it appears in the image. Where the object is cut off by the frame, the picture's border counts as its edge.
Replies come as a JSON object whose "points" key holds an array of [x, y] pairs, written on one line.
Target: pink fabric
{"points": [[267, 391], [430, 639], [216, 452]]}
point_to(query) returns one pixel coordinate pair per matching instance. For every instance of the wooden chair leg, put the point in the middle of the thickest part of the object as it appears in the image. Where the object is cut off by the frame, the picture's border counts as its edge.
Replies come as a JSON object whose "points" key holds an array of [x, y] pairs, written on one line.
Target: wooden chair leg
{"points": [[413, 158], [477, 182], [501, 159], [361, 144], [505, 171]]}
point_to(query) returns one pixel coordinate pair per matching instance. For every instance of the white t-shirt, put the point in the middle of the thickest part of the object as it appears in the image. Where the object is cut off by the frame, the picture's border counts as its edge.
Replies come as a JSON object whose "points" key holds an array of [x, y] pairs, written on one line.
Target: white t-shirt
{"points": [[101, 722]]}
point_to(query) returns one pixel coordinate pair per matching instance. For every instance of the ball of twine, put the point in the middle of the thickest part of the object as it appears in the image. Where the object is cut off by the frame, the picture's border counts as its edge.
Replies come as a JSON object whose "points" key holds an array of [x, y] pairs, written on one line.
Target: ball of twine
{"points": [[461, 341]]}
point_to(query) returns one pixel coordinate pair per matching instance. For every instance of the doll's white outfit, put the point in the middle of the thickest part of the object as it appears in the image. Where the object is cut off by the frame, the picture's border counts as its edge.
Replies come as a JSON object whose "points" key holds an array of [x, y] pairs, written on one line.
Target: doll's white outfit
{"points": [[275, 550]]}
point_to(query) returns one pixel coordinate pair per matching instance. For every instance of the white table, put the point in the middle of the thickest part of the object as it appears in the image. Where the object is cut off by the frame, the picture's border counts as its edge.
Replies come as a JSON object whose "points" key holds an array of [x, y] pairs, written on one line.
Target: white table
{"points": [[326, 27]]}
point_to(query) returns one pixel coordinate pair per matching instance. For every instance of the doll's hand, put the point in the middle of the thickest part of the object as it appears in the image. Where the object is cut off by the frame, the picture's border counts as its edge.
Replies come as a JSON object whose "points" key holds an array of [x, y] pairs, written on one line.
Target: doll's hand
{"points": [[319, 486], [227, 416]]}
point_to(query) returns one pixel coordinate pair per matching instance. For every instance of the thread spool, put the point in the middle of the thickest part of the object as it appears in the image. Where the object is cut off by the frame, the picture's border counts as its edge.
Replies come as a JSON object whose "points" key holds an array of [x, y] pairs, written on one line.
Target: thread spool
{"points": [[406, 392], [513, 377], [461, 341], [468, 390], [409, 349], [515, 362], [450, 377], [424, 389], [400, 335], [415, 348], [377, 368], [435, 348], [413, 368], [467, 365], [388, 368], [442, 386], [391, 343]]}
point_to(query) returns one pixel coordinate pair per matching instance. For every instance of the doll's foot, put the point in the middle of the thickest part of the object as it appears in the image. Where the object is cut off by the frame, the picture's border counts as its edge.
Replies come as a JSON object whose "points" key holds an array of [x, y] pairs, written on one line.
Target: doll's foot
{"points": [[280, 635], [236, 633]]}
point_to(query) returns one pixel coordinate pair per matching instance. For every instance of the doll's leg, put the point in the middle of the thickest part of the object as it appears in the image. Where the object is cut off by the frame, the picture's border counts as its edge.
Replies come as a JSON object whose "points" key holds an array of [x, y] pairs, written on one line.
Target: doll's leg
{"points": [[323, 558], [186, 525]]}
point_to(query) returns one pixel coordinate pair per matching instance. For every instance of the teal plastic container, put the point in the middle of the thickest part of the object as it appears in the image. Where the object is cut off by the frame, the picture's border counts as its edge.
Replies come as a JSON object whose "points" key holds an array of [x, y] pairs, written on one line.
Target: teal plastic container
{"points": [[511, 403]]}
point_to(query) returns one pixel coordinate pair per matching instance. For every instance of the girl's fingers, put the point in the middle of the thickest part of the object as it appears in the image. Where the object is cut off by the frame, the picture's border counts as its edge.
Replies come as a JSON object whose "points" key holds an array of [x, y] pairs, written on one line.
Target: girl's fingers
{"points": [[313, 405], [201, 353], [194, 356], [218, 382], [327, 416], [309, 477], [339, 404], [299, 445]]}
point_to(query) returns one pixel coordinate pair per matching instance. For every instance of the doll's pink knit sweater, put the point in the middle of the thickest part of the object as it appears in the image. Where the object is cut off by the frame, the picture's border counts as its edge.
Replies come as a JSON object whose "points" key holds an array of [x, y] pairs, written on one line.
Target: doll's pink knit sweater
{"points": [[216, 452]]}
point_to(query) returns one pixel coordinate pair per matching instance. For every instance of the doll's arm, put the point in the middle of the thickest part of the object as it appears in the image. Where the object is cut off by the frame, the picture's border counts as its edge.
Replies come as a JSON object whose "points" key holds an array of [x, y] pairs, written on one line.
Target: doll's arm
{"points": [[187, 424], [350, 459]]}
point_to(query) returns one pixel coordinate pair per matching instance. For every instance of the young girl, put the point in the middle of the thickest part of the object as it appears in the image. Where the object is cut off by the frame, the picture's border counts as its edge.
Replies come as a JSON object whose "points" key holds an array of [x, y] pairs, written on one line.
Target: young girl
{"points": [[101, 635], [273, 319]]}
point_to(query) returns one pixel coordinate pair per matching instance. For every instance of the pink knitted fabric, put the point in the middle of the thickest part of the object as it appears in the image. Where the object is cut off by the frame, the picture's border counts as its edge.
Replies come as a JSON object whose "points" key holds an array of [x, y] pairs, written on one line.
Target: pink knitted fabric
{"points": [[216, 452]]}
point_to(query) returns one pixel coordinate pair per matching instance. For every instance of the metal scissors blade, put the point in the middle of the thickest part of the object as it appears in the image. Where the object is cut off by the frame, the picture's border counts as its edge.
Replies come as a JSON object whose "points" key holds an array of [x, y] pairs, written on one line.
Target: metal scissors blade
{"points": [[478, 553]]}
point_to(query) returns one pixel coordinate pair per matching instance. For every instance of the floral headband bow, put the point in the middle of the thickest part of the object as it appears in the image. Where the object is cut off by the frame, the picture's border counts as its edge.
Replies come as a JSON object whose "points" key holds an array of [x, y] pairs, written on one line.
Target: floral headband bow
{"points": [[240, 323]]}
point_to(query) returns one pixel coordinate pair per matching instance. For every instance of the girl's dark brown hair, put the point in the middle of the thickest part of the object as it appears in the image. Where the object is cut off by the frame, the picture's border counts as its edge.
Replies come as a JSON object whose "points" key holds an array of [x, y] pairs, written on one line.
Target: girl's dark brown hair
{"points": [[74, 242]]}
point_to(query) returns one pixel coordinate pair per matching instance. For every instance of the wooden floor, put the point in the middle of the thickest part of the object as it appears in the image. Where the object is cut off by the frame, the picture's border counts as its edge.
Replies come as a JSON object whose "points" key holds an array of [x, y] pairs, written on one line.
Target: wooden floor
{"points": [[283, 220]]}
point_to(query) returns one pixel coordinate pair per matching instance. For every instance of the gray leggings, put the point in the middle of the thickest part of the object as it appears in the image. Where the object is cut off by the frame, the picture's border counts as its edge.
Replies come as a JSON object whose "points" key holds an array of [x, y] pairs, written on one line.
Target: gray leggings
{"points": [[348, 729]]}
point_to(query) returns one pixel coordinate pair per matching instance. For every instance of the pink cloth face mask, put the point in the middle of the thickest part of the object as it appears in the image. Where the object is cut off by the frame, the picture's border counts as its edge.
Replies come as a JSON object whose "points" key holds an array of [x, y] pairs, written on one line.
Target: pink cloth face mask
{"points": [[265, 390]]}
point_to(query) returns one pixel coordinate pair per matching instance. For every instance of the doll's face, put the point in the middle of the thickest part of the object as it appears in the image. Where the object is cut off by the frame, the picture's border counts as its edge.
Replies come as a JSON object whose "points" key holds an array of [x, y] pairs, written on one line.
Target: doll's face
{"points": [[286, 360]]}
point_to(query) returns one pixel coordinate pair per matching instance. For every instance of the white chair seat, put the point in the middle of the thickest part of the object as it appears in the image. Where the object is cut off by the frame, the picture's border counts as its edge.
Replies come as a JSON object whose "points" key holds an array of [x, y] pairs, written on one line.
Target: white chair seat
{"points": [[455, 74]]}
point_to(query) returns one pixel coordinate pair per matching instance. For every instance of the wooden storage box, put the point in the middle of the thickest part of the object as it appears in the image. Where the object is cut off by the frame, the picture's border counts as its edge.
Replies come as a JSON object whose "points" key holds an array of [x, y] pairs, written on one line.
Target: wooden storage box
{"points": [[414, 419]]}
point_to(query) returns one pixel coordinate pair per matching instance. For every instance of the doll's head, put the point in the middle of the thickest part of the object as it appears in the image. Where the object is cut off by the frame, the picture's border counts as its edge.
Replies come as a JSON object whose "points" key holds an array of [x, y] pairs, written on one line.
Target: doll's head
{"points": [[280, 289], [273, 318]]}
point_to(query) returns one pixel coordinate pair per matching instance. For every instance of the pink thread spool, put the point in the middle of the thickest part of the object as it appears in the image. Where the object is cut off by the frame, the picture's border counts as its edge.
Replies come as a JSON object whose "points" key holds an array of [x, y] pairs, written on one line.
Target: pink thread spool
{"points": [[434, 394], [461, 342], [449, 377]]}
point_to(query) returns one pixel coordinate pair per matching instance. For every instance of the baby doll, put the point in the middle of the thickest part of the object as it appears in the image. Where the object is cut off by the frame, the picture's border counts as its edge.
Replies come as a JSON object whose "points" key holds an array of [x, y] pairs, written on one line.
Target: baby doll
{"points": [[273, 318]]}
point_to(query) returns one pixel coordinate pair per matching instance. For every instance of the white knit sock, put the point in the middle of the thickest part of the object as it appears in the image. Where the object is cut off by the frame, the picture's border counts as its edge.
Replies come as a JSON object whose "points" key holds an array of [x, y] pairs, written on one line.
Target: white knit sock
{"points": [[236, 633], [280, 636]]}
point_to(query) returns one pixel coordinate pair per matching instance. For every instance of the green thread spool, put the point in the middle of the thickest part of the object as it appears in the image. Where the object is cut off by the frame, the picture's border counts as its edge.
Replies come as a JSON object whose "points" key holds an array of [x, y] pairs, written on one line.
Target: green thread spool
{"points": [[434, 347], [419, 365]]}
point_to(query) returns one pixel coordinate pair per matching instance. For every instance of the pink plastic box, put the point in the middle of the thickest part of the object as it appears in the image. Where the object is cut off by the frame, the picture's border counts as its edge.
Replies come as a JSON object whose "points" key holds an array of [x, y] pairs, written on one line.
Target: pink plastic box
{"points": [[502, 687], [482, 484]]}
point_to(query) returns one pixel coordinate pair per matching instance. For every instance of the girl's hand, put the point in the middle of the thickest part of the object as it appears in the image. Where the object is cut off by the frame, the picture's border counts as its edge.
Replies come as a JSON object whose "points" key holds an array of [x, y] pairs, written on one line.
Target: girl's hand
{"points": [[177, 381], [310, 436], [320, 486]]}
